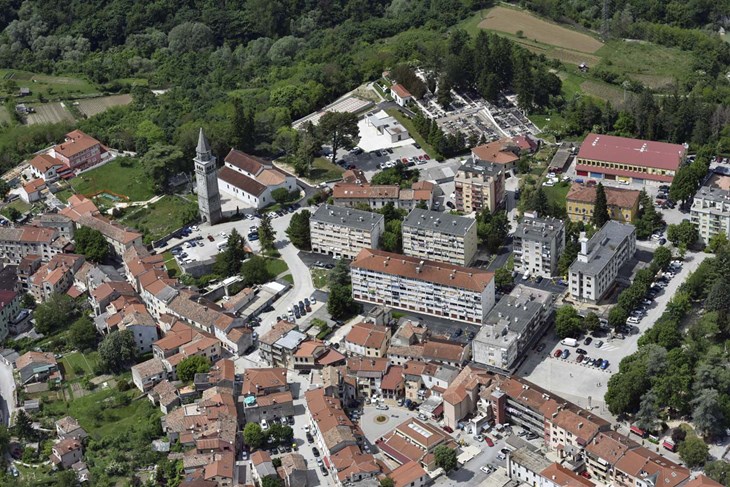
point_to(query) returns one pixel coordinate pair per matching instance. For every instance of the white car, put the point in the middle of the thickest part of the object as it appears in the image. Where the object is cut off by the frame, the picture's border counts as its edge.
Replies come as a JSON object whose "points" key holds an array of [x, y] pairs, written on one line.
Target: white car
{"points": [[382, 407], [485, 470], [194, 228], [312, 300], [264, 425], [502, 456]]}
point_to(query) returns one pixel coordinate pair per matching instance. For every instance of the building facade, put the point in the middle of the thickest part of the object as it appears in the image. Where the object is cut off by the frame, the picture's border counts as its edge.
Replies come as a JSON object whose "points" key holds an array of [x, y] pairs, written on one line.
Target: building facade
{"points": [[538, 243], [249, 181], [594, 271], [623, 204], [209, 199], [710, 212], [440, 236], [479, 185], [344, 232], [512, 326], [629, 160], [428, 287]]}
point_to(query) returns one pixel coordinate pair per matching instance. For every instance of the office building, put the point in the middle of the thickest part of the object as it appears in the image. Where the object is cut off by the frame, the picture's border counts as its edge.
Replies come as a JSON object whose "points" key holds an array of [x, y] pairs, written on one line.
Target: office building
{"points": [[537, 245], [440, 236], [594, 271], [422, 286], [343, 232]]}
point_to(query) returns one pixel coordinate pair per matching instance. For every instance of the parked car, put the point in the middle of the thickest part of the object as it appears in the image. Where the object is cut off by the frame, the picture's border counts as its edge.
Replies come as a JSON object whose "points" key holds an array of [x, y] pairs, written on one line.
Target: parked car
{"points": [[579, 358], [488, 441], [448, 429], [485, 470], [315, 452], [580, 351], [587, 341], [558, 353], [565, 354], [604, 364], [599, 343], [541, 347]]}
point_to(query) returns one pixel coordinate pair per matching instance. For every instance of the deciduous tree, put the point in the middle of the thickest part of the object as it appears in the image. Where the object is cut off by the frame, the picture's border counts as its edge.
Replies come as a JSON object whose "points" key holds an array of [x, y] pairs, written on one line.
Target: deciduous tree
{"points": [[91, 243], [55, 314], [253, 436], [693, 451], [189, 366], [339, 129], [445, 458], [117, 351], [82, 334], [568, 322]]}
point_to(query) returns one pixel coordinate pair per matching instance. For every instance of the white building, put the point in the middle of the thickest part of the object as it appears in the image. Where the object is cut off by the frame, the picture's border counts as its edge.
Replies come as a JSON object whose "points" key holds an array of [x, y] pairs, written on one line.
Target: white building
{"points": [[344, 232], [248, 180], [599, 260], [400, 94], [710, 212], [511, 327], [440, 236], [425, 287], [538, 243], [388, 126]]}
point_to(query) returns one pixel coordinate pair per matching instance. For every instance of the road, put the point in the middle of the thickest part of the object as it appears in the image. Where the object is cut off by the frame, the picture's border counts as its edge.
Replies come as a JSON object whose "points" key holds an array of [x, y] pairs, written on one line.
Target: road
{"points": [[7, 391]]}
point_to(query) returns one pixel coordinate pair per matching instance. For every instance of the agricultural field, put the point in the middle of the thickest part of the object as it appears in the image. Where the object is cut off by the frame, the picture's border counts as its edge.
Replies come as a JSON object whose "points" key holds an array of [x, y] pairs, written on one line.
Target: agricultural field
{"points": [[45, 87], [122, 176], [93, 106], [50, 113]]}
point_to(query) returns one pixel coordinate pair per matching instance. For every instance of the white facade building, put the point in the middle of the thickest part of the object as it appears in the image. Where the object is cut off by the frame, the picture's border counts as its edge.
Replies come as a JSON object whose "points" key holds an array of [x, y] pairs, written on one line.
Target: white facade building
{"points": [[344, 232]]}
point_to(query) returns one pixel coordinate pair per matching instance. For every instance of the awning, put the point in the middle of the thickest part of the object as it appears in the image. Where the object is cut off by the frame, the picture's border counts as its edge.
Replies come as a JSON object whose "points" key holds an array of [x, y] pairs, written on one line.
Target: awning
{"points": [[439, 411]]}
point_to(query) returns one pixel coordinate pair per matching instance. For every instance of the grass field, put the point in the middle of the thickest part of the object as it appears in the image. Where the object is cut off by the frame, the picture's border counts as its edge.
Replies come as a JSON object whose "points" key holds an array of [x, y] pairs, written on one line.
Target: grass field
{"points": [[319, 278], [131, 181], [50, 113], [161, 217], [77, 360], [276, 266], [171, 265], [512, 21], [48, 87], [5, 116], [654, 66], [324, 170], [557, 194], [94, 106]]}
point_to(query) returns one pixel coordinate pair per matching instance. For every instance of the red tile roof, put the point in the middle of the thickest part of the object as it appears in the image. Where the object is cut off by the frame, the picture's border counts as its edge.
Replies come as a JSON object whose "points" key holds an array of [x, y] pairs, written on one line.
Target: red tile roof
{"points": [[241, 181], [497, 152], [76, 142], [621, 198], [243, 161], [401, 90], [637, 152]]}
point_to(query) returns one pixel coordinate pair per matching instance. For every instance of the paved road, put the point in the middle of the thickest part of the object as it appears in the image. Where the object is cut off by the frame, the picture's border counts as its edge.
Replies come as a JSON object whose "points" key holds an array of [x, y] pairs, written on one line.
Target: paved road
{"points": [[7, 391]]}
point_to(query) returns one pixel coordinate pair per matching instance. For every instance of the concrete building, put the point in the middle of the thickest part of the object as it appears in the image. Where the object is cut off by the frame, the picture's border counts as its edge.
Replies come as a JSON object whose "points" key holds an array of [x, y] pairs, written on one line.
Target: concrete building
{"points": [[504, 152], [631, 160], [78, 151], [594, 271], [514, 323], [252, 182], [400, 94], [623, 204], [479, 185], [9, 310], [426, 287], [710, 212], [19, 242], [376, 196], [265, 394], [525, 465], [343, 232], [538, 243], [440, 236], [388, 126], [209, 199], [367, 340]]}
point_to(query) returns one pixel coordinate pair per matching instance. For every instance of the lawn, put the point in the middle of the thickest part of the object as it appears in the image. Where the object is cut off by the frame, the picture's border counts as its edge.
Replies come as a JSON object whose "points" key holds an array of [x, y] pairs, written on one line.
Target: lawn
{"points": [[122, 176], [78, 360], [323, 170], [46, 87], [319, 278], [171, 264], [64, 195], [653, 65], [276, 266], [557, 194], [288, 278], [408, 124], [160, 218]]}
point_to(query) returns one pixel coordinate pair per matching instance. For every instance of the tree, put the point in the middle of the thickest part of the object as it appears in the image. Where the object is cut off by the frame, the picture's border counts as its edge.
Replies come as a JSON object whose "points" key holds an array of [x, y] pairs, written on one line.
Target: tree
{"points": [[117, 351], [4, 189], [281, 433], [189, 366], [678, 435], [82, 334], [662, 257], [12, 213], [445, 458], [55, 314], [646, 416], [228, 262], [253, 436], [266, 232], [707, 413], [254, 271], [685, 233], [91, 243], [600, 208], [190, 36], [298, 230], [716, 242], [23, 425], [243, 127], [161, 162], [693, 451], [443, 93], [719, 471], [718, 298], [339, 129], [539, 202], [340, 303], [28, 301], [387, 482], [272, 481], [65, 478], [280, 195], [503, 279], [626, 388], [617, 316], [4, 440], [592, 322], [568, 322]]}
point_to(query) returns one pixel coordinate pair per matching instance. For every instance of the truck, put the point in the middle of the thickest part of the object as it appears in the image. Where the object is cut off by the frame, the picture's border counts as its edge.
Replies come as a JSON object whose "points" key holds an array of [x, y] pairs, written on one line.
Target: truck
{"points": [[570, 342]]}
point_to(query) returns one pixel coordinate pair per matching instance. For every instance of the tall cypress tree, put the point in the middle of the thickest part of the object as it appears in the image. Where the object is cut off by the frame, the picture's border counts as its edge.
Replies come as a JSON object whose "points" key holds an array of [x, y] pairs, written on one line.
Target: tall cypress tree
{"points": [[600, 208]]}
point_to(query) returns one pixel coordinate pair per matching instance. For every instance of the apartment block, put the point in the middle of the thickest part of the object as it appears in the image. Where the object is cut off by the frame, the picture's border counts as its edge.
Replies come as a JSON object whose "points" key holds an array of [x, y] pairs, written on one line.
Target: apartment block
{"points": [[594, 271], [422, 286], [538, 243], [440, 236], [344, 232], [479, 185], [20, 242], [710, 212], [511, 327]]}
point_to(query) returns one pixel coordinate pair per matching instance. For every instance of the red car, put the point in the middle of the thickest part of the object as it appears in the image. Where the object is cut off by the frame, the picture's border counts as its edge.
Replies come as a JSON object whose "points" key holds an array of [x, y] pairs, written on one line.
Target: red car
{"points": [[426, 156], [557, 353], [404, 160], [579, 358], [585, 474], [592, 182], [488, 441], [420, 158], [448, 429]]}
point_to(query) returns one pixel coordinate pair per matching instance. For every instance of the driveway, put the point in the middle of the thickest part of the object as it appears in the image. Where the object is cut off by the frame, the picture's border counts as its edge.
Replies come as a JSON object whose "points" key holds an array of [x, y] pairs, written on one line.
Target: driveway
{"points": [[585, 385]]}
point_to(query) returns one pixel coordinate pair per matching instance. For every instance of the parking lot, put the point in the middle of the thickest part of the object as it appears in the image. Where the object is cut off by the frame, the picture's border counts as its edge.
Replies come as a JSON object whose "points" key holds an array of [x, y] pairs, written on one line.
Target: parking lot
{"points": [[586, 385]]}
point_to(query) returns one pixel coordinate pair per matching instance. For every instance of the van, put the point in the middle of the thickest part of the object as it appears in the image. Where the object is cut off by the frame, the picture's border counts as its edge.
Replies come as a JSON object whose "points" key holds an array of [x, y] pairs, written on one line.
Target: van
{"points": [[222, 245], [570, 342]]}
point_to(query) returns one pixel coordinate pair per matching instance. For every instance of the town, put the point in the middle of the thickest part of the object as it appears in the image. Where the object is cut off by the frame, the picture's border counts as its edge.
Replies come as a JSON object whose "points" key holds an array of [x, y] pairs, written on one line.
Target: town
{"points": [[441, 260]]}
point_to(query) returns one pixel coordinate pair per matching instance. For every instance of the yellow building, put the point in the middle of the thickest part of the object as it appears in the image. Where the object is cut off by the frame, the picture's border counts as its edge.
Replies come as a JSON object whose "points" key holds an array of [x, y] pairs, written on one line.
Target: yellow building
{"points": [[623, 204]]}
